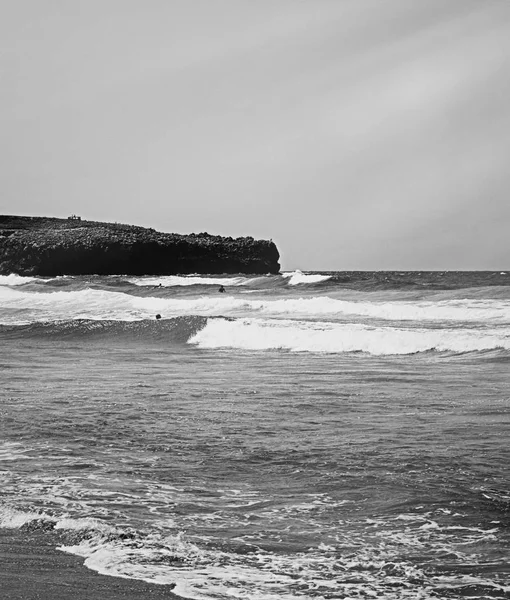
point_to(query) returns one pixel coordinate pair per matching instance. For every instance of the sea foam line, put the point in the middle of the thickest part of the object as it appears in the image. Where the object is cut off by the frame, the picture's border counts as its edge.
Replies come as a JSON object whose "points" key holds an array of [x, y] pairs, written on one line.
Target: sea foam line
{"points": [[377, 564]]}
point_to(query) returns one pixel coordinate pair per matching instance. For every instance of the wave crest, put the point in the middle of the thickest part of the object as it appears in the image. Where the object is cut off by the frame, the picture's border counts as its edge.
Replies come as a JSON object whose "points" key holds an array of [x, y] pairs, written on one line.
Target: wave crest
{"points": [[298, 278], [14, 279], [187, 280], [102, 304], [177, 330], [303, 336]]}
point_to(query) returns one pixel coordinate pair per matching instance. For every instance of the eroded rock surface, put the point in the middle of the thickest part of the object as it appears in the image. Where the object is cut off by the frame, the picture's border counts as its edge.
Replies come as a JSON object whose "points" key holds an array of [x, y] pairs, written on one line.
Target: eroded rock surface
{"points": [[51, 246]]}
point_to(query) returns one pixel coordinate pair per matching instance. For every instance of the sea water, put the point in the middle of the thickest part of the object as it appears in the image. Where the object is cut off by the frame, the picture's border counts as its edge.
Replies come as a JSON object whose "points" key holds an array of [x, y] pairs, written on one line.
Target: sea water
{"points": [[303, 435]]}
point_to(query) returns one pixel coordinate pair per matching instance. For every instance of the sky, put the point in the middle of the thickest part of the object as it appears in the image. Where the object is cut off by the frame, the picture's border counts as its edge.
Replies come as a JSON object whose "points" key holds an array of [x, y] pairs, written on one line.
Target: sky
{"points": [[356, 134]]}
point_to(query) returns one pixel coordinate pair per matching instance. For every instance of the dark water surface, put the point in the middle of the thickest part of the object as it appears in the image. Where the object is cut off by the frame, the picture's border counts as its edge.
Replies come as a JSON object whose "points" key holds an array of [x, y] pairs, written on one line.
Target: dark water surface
{"points": [[292, 438]]}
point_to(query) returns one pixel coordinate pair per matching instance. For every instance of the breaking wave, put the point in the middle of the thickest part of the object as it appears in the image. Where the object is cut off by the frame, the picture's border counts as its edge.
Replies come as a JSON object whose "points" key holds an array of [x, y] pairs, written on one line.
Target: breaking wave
{"points": [[186, 280], [15, 280], [305, 336], [298, 277], [266, 334], [24, 307], [177, 330]]}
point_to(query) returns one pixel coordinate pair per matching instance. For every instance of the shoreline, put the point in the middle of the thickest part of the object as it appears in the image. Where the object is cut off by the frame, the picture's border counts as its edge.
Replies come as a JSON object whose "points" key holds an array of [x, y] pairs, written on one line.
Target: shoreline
{"points": [[31, 568]]}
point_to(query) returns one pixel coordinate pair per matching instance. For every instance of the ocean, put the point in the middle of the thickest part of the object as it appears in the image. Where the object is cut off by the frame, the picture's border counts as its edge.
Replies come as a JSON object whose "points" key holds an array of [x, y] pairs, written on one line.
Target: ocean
{"points": [[305, 435]]}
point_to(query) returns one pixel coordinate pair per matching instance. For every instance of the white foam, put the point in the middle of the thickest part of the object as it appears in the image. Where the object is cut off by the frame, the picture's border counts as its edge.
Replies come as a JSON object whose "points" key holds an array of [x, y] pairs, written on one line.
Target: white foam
{"points": [[374, 567], [214, 574], [201, 574], [11, 518], [304, 336], [448, 310], [83, 524], [186, 280], [298, 277], [14, 279], [318, 307], [102, 304], [62, 305], [24, 307]]}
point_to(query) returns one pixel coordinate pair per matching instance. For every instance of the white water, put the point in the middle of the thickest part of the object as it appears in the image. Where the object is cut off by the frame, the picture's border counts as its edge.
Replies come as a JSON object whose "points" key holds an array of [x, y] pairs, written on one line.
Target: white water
{"points": [[303, 336], [14, 279], [102, 304], [185, 280], [205, 574], [298, 277]]}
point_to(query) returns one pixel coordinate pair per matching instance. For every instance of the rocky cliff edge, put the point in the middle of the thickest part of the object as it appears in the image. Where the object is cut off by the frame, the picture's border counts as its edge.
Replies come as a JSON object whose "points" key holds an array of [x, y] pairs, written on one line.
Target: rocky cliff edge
{"points": [[51, 246]]}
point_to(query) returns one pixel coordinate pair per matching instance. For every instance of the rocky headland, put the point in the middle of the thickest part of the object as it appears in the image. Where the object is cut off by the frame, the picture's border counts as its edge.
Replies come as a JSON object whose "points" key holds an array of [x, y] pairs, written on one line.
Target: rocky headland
{"points": [[52, 246]]}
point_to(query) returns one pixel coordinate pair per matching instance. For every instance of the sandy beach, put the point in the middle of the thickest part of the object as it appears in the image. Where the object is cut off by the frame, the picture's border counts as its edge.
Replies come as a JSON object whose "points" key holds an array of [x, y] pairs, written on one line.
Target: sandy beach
{"points": [[32, 569]]}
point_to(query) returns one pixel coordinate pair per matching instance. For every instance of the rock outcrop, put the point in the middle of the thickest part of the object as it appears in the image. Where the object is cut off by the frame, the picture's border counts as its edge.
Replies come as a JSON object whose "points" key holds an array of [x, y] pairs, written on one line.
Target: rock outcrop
{"points": [[51, 246]]}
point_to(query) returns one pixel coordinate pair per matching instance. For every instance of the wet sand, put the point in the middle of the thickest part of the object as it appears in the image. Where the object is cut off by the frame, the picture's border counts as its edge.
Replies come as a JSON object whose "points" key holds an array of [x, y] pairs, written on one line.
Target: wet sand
{"points": [[32, 569]]}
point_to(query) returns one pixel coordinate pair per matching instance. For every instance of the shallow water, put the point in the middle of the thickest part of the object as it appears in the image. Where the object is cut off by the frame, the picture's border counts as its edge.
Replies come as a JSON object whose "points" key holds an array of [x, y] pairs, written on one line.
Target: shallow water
{"points": [[313, 439]]}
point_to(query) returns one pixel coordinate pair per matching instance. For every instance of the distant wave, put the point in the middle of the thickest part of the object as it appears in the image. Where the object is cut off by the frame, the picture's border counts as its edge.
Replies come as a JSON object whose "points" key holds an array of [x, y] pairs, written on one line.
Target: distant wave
{"points": [[185, 280], [19, 306], [298, 277], [305, 336], [14, 279], [178, 329], [290, 278], [449, 310]]}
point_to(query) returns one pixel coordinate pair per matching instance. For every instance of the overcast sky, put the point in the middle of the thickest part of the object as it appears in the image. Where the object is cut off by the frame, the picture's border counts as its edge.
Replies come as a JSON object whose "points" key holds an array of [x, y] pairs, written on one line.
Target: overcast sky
{"points": [[357, 134]]}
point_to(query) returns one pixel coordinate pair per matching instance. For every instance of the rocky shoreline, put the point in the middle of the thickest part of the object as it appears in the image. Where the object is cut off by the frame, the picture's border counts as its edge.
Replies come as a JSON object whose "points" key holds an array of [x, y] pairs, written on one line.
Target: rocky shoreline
{"points": [[47, 246]]}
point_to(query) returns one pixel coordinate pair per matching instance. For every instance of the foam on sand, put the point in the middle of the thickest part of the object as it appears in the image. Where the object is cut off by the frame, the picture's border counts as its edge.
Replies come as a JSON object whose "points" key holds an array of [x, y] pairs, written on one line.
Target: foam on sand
{"points": [[375, 566]]}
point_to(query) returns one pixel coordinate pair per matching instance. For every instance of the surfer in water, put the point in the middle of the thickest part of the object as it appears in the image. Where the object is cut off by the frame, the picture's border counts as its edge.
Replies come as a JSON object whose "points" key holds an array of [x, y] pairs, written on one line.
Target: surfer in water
{"points": [[221, 290]]}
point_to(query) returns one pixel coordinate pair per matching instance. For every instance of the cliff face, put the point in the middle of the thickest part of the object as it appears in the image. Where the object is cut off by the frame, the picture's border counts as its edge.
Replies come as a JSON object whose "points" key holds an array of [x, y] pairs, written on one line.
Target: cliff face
{"points": [[50, 246]]}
